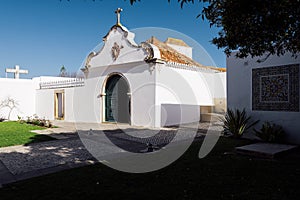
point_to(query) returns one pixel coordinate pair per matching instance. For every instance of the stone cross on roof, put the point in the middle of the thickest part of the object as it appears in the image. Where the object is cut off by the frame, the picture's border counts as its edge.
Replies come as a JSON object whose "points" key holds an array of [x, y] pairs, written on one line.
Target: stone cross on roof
{"points": [[17, 71], [118, 12]]}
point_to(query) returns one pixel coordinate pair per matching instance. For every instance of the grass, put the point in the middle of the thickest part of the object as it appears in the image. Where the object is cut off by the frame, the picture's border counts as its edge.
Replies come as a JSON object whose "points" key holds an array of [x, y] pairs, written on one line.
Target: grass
{"points": [[15, 133], [218, 176]]}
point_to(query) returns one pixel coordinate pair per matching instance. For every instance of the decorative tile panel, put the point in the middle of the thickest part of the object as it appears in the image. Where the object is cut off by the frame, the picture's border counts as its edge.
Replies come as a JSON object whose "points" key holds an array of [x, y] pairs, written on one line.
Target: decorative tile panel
{"points": [[276, 88]]}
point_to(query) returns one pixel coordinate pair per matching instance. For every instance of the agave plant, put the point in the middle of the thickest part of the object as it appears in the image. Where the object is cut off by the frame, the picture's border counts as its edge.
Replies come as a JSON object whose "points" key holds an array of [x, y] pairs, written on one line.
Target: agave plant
{"points": [[237, 122], [271, 132]]}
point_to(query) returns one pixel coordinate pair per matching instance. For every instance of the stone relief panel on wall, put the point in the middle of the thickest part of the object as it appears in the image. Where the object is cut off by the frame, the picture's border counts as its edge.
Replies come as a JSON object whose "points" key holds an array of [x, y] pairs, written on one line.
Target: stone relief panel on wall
{"points": [[276, 88], [115, 51]]}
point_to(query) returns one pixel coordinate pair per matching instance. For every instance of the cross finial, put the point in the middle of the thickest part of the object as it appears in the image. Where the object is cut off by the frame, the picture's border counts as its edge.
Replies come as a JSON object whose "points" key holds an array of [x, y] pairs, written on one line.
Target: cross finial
{"points": [[17, 71], [118, 12]]}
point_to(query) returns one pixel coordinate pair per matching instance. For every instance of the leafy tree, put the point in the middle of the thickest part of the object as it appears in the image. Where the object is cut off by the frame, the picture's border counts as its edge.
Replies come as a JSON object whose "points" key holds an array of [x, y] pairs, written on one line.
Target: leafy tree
{"points": [[64, 73], [254, 27]]}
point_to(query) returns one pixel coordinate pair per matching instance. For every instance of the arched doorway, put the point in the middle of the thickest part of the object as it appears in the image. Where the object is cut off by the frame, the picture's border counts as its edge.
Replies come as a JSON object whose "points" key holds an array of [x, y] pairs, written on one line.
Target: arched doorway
{"points": [[117, 99]]}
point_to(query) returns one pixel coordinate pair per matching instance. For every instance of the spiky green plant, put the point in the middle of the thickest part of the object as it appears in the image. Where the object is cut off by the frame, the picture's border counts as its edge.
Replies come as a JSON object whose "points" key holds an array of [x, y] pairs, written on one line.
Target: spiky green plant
{"points": [[271, 132], [237, 122]]}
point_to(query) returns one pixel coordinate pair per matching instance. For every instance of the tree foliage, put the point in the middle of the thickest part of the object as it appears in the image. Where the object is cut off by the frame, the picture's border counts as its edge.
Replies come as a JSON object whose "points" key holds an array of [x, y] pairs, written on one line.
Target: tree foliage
{"points": [[254, 27], [62, 71]]}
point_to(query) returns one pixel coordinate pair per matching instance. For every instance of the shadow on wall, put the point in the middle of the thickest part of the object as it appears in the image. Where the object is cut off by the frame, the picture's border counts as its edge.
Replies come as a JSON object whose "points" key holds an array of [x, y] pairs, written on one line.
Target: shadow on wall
{"points": [[7, 106]]}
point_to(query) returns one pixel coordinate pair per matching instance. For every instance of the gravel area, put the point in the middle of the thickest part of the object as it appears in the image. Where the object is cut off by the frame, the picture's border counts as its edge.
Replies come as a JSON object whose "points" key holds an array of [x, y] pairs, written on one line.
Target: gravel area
{"points": [[21, 159], [69, 149]]}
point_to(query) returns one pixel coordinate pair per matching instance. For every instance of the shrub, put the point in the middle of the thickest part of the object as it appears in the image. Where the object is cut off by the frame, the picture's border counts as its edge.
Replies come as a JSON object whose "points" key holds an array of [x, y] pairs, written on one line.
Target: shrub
{"points": [[271, 132], [35, 120], [20, 120], [236, 123]]}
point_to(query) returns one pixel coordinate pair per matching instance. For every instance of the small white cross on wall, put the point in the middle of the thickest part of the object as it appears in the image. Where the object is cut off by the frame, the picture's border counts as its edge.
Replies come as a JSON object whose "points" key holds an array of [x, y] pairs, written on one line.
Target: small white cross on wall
{"points": [[17, 71]]}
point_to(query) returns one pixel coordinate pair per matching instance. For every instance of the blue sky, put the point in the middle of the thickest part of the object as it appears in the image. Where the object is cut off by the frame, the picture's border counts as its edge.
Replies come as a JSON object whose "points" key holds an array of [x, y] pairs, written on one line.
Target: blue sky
{"points": [[43, 35]]}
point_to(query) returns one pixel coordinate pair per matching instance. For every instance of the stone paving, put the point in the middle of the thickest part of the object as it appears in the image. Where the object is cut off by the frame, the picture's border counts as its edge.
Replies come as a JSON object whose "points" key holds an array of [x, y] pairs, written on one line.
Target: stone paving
{"points": [[265, 150], [20, 162], [22, 159]]}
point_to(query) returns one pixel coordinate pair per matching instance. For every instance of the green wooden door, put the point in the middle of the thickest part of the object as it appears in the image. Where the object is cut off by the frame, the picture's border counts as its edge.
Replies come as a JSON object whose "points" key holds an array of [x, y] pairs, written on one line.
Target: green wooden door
{"points": [[117, 101]]}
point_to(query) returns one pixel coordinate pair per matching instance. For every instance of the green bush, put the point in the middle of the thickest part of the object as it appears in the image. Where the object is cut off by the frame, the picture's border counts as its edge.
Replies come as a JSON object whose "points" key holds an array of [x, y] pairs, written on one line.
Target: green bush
{"points": [[236, 123], [270, 132]]}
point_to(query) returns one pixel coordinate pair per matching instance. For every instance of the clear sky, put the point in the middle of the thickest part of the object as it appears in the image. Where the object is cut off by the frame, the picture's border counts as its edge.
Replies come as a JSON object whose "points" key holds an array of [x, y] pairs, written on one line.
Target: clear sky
{"points": [[43, 35]]}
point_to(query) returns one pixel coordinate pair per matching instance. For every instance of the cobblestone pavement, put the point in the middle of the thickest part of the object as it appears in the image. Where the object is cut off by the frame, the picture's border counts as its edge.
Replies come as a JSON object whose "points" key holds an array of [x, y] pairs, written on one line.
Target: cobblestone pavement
{"points": [[164, 136], [69, 150]]}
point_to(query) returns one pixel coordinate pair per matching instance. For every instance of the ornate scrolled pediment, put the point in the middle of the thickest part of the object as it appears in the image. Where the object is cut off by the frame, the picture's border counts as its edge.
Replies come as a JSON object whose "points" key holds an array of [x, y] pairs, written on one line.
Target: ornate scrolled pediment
{"points": [[119, 47], [89, 58]]}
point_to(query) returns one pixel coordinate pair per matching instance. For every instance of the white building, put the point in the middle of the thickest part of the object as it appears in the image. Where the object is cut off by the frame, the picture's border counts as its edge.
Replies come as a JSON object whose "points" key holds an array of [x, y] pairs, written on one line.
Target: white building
{"points": [[152, 84], [268, 90]]}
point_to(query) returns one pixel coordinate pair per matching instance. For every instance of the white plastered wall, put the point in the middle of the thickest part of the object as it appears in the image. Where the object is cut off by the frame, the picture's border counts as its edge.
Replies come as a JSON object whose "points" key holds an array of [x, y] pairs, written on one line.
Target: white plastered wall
{"points": [[181, 92], [22, 91], [45, 104], [45, 100]]}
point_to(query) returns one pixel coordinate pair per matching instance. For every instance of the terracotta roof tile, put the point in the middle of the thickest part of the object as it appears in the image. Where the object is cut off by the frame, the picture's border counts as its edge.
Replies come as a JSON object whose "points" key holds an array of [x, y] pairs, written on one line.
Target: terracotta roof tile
{"points": [[171, 55]]}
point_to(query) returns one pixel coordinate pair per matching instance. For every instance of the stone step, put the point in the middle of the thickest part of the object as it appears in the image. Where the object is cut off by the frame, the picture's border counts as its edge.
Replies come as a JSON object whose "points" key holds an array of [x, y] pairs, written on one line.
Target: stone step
{"points": [[211, 117], [265, 150]]}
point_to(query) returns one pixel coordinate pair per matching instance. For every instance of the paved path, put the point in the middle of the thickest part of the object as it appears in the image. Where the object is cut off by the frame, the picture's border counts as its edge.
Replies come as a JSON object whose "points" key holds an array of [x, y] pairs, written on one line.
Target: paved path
{"points": [[21, 162]]}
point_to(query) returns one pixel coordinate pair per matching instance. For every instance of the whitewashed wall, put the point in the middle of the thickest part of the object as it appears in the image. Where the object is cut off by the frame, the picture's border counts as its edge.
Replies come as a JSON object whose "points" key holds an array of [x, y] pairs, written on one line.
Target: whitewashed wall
{"points": [[69, 104], [239, 92], [178, 114], [45, 104], [181, 90], [45, 98], [23, 92], [220, 85], [86, 101], [220, 93], [188, 87]]}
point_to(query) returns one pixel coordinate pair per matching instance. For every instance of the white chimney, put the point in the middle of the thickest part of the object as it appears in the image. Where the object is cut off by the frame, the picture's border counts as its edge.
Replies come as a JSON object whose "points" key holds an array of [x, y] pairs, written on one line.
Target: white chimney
{"points": [[180, 46]]}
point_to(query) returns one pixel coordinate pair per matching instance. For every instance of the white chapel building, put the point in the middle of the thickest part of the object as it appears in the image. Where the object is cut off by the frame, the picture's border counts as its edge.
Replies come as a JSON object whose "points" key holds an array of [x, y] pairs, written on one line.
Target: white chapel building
{"points": [[152, 84]]}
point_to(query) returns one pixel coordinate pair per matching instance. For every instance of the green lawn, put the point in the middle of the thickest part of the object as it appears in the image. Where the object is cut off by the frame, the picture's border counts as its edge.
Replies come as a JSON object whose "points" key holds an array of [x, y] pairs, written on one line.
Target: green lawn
{"points": [[14, 133], [218, 176]]}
